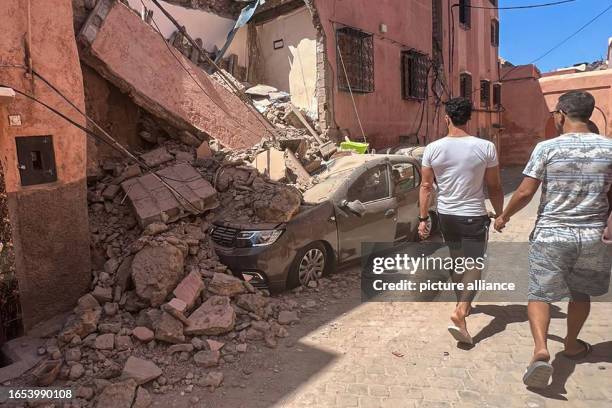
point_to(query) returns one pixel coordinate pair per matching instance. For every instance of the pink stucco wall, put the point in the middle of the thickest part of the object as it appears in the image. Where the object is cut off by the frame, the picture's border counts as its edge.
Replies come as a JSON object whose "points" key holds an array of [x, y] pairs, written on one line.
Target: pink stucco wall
{"points": [[384, 114], [529, 97], [49, 221]]}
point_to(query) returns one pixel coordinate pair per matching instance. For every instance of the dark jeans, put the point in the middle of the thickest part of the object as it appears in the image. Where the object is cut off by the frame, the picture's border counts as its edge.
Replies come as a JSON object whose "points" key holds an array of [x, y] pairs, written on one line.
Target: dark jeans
{"points": [[466, 236]]}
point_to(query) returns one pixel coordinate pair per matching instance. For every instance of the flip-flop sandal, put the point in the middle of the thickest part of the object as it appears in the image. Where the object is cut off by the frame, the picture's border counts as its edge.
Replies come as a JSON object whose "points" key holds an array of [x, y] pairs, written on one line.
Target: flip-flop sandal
{"points": [[459, 336], [587, 350], [538, 374]]}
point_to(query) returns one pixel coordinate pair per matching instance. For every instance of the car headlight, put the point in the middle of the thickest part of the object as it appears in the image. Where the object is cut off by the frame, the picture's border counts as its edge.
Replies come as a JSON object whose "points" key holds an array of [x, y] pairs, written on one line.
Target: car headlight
{"points": [[246, 239]]}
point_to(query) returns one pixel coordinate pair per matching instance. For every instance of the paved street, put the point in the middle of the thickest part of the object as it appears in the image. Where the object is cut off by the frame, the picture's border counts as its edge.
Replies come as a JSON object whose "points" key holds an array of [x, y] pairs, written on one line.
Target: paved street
{"points": [[349, 354]]}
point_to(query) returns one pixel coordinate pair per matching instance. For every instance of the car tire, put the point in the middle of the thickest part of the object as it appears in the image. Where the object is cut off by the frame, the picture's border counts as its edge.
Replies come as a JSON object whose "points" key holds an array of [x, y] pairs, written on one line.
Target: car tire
{"points": [[311, 262]]}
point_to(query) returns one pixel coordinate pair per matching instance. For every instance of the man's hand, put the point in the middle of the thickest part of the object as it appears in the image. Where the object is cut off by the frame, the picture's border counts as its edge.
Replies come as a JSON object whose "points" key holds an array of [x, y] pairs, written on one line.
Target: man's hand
{"points": [[424, 229], [500, 223]]}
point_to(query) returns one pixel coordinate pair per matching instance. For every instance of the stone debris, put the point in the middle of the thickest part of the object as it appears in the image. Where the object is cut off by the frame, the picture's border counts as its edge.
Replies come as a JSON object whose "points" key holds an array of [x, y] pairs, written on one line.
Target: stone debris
{"points": [[118, 395], [213, 379], [226, 285], [143, 398], [216, 316], [189, 289], [142, 371], [169, 329], [172, 193], [207, 359], [156, 270], [143, 334], [160, 300]]}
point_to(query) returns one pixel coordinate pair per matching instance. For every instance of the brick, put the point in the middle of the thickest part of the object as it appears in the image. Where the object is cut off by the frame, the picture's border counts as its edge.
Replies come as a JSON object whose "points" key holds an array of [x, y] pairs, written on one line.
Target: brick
{"points": [[189, 289]]}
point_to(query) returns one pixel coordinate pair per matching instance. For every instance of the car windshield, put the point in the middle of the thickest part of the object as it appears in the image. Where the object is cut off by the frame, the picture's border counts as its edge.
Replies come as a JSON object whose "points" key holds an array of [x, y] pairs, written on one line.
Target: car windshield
{"points": [[324, 189]]}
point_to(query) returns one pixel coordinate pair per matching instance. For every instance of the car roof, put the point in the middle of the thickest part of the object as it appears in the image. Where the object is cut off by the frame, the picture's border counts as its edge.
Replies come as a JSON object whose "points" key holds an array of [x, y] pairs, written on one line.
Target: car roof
{"points": [[356, 160]]}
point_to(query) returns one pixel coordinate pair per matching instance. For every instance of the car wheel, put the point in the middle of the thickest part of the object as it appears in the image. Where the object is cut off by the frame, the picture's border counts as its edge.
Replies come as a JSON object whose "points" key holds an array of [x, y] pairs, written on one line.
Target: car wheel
{"points": [[311, 263]]}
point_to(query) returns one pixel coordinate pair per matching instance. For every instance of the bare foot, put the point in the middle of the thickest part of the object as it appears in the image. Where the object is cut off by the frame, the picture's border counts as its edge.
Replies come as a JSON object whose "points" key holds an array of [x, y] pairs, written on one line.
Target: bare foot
{"points": [[540, 355], [458, 319], [573, 348]]}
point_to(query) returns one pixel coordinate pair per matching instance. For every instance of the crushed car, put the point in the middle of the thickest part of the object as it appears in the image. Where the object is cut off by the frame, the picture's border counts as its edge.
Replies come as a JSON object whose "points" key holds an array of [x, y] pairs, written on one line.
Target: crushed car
{"points": [[358, 198]]}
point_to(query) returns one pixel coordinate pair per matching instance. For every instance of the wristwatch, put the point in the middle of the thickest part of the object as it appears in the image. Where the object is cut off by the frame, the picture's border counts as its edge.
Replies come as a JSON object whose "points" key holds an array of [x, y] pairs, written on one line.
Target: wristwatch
{"points": [[423, 219]]}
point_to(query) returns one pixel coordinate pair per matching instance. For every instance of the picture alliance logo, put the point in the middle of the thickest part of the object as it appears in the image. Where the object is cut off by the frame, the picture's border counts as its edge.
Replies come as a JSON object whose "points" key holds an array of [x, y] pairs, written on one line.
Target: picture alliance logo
{"points": [[411, 264]]}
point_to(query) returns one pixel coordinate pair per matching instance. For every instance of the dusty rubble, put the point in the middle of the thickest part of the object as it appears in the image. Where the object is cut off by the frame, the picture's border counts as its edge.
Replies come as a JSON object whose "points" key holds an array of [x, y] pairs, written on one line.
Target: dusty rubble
{"points": [[160, 298], [163, 313]]}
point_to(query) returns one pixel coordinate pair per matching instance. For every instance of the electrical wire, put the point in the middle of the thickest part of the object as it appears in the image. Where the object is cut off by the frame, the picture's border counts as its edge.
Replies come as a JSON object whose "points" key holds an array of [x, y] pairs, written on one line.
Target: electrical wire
{"points": [[243, 98], [240, 125], [528, 6], [115, 145]]}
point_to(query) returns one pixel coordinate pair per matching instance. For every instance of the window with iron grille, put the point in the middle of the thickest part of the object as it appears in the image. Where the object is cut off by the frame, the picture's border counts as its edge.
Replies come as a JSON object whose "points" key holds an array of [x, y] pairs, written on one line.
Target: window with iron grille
{"points": [[465, 85], [485, 93], [465, 13], [495, 32], [436, 32], [355, 55], [414, 75], [497, 95]]}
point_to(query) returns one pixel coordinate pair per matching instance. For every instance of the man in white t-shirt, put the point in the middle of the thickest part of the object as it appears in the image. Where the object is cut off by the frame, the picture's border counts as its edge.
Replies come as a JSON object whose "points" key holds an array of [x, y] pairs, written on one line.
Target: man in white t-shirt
{"points": [[461, 166]]}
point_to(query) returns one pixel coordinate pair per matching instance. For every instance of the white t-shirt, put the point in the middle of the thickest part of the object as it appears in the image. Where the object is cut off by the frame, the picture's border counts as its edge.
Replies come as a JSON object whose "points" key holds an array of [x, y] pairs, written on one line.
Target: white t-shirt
{"points": [[459, 164]]}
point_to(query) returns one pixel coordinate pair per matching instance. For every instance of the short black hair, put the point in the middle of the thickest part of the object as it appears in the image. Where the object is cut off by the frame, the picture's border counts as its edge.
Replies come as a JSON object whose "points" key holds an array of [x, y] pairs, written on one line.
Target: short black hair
{"points": [[577, 105], [459, 110]]}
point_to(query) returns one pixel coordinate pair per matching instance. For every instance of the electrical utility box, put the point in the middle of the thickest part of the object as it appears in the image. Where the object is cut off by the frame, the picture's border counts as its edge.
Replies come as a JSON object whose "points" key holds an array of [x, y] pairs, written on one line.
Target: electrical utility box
{"points": [[36, 160]]}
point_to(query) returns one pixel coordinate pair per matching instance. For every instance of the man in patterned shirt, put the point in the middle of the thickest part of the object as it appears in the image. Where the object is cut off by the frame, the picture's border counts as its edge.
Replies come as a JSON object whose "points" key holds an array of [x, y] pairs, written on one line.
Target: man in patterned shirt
{"points": [[567, 258]]}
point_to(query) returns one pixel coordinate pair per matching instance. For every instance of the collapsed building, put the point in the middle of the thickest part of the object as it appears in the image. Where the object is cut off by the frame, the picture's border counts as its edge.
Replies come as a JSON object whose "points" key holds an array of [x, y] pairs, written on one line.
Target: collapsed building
{"points": [[125, 139]]}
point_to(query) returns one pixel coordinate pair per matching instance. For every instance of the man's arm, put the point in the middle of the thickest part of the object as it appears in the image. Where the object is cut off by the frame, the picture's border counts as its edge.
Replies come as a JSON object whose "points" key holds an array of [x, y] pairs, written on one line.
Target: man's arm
{"points": [[427, 180], [494, 188], [521, 197]]}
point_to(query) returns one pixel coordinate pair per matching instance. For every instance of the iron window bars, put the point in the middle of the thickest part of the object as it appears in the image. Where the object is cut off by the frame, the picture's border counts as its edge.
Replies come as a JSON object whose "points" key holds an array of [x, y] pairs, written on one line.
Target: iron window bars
{"points": [[356, 49], [495, 32], [465, 85], [485, 93], [497, 89], [414, 75], [465, 14]]}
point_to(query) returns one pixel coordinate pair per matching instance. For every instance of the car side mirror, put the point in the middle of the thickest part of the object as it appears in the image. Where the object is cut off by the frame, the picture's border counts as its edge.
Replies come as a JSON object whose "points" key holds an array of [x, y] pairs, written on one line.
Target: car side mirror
{"points": [[356, 207]]}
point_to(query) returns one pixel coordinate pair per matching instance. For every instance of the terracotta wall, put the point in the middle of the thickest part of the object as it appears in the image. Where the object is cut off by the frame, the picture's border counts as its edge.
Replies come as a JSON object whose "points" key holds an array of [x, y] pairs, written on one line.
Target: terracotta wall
{"points": [[50, 226], [528, 98], [384, 114], [525, 114]]}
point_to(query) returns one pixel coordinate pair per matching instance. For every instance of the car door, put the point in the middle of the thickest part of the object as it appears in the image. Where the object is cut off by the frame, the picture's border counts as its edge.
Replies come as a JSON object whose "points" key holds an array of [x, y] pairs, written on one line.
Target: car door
{"points": [[406, 181], [373, 189]]}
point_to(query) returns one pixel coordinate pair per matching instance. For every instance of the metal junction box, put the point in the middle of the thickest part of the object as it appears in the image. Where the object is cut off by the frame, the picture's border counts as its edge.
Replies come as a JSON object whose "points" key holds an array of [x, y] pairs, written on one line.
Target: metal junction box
{"points": [[36, 160]]}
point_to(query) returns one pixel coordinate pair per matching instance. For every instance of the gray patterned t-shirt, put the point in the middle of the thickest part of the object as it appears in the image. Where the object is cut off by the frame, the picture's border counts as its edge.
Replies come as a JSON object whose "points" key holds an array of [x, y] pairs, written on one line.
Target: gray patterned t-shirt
{"points": [[576, 174]]}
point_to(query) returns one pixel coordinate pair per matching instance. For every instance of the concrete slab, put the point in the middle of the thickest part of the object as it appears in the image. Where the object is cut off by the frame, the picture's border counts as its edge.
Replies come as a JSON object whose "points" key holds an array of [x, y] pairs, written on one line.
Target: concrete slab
{"points": [[131, 54], [154, 202]]}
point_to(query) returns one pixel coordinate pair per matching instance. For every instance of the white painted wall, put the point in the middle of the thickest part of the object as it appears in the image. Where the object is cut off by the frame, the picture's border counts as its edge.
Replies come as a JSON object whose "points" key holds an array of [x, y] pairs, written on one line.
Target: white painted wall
{"points": [[292, 68], [211, 28]]}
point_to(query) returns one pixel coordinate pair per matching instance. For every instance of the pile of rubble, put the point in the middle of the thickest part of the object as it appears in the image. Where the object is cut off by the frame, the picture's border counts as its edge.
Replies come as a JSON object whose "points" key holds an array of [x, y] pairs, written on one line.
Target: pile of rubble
{"points": [[159, 299]]}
